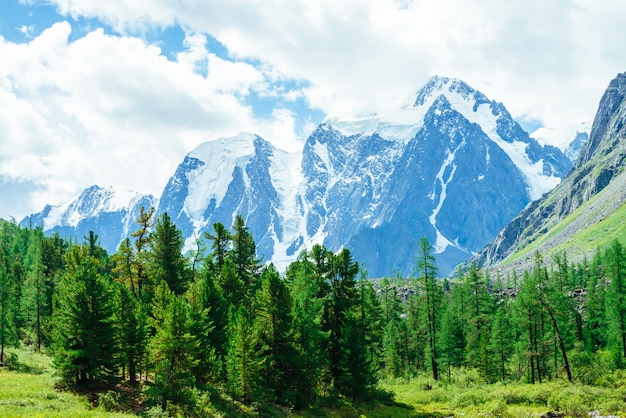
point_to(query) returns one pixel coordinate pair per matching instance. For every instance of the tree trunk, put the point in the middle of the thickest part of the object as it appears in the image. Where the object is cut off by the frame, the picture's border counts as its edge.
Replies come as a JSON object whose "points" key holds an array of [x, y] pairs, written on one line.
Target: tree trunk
{"points": [[560, 340]]}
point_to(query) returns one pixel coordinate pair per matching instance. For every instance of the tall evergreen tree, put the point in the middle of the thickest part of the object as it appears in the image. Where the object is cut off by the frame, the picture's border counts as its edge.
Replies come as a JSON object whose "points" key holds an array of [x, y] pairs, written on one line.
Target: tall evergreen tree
{"points": [[479, 314], [616, 269], [308, 305], [452, 335], [432, 295], [142, 243], [167, 262], [221, 239], [243, 256], [124, 262], [172, 352], [209, 314], [501, 340], [132, 322], [84, 343], [242, 363], [37, 286], [8, 333], [281, 374], [340, 301]]}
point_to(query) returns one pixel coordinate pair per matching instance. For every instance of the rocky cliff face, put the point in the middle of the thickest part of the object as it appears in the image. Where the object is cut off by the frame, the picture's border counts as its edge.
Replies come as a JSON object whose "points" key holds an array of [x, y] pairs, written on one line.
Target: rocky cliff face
{"points": [[600, 164]]}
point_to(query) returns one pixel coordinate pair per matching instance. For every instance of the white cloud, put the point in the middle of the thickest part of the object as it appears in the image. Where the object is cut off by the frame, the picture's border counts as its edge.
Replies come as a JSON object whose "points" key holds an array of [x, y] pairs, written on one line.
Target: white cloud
{"points": [[548, 59], [112, 110], [119, 99]]}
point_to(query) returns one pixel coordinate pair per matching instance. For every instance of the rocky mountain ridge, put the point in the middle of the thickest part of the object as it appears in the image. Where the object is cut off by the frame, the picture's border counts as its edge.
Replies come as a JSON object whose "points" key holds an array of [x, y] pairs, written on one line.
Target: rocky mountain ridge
{"points": [[432, 167]]}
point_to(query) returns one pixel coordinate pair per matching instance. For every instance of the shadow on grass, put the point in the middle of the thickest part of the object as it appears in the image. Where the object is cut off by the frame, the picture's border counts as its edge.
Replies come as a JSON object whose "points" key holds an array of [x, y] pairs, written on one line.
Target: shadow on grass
{"points": [[12, 362]]}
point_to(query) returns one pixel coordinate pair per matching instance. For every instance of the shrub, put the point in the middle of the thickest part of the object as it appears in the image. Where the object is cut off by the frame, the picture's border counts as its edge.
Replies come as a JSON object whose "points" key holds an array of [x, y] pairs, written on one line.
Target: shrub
{"points": [[468, 398]]}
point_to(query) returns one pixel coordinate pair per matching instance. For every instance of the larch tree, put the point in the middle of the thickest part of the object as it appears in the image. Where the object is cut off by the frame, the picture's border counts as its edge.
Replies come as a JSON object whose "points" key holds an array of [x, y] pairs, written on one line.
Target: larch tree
{"points": [[432, 297]]}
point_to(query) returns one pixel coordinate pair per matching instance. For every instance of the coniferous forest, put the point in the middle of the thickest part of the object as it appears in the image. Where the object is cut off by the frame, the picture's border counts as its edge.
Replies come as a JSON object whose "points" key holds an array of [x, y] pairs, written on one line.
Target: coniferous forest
{"points": [[189, 330]]}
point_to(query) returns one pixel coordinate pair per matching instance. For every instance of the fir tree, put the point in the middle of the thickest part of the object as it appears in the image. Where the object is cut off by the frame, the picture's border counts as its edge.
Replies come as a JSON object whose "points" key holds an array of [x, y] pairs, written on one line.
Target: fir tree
{"points": [[616, 269], [310, 340], [501, 341]]}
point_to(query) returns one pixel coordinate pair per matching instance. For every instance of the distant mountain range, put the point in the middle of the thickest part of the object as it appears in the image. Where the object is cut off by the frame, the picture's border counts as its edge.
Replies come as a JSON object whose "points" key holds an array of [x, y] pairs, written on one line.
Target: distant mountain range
{"points": [[448, 164]]}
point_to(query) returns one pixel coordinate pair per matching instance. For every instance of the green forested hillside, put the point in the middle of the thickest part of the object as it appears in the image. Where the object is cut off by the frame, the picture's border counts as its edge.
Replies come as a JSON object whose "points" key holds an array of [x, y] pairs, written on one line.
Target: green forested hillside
{"points": [[215, 332]]}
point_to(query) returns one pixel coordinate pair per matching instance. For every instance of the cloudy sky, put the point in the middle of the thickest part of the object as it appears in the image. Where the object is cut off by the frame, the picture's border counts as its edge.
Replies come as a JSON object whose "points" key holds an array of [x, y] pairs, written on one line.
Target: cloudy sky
{"points": [[117, 92]]}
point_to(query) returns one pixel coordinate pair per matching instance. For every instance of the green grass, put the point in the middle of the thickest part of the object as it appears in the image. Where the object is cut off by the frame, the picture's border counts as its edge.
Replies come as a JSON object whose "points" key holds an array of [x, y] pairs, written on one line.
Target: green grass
{"points": [[586, 240], [506, 400], [28, 390]]}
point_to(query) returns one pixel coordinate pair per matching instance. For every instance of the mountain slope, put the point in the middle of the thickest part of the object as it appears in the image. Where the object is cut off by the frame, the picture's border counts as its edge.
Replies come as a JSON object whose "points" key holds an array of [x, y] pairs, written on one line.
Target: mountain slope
{"points": [[592, 193]]}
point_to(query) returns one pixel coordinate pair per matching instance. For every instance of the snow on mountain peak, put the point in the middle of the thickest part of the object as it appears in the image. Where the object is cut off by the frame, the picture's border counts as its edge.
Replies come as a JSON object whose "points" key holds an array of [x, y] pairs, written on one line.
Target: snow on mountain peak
{"points": [[89, 203], [210, 180], [561, 137], [402, 119]]}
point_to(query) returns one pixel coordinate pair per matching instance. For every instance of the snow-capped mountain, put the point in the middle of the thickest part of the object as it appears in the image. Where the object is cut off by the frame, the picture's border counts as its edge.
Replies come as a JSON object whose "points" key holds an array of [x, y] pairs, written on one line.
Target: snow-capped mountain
{"points": [[108, 211], [242, 175], [447, 163], [569, 139]]}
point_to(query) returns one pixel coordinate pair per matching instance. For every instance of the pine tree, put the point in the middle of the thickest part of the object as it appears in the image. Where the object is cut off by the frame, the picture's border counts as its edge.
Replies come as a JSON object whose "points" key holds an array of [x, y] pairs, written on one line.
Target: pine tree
{"points": [[220, 244], [393, 350], [142, 242], [452, 335], [281, 374], [232, 286], [595, 313], [371, 318], [84, 343], [209, 313], [124, 261], [241, 360], [172, 352], [308, 305], [501, 342], [243, 256], [167, 262], [478, 320], [338, 305], [132, 323]]}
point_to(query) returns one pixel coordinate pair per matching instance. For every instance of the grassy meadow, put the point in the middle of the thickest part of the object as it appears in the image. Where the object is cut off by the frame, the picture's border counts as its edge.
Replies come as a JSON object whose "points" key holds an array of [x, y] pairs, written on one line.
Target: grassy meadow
{"points": [[27, 390]]}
